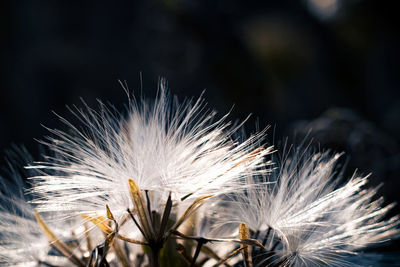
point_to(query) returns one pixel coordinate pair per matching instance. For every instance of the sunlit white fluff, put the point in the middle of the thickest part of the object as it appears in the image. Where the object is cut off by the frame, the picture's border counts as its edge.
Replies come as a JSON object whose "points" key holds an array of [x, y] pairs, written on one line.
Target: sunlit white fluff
{"points": [[22, 243], [313, 221], [165, 147]]}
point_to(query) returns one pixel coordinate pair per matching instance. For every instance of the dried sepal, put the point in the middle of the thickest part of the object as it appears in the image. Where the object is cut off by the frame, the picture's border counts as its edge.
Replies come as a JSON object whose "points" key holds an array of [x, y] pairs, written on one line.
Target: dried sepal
{"points": [[244, 234], [231, 255], [98, 255], [138, 202], [110, 216], [123, 259], [191, 209], [131, 240], [211, 254], [88, 238], [100, 222], [57, 243]]}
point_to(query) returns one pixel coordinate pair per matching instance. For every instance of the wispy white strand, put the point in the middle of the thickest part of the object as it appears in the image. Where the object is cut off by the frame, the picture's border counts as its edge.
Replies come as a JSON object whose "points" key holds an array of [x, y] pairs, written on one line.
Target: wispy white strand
{"points": [[182, 150], [317, 222], [165, 147], [22, 243]]}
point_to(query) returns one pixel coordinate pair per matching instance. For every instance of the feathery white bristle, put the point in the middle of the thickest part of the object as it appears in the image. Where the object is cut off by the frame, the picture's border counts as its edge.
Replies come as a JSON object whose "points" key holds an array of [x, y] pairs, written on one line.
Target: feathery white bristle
{"points": [[302, 213], [316, 222], [165, 147], [22, 243]]}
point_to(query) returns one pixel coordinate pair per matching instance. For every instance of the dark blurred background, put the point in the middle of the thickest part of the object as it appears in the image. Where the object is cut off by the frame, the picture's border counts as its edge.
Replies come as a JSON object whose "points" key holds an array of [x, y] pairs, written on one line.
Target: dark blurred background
{"points": [[326, 68]]}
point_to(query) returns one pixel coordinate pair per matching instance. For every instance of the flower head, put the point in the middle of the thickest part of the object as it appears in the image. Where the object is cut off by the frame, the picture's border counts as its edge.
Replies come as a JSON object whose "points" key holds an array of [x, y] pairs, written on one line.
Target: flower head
{"points": [[304, 218], [165, 148]]}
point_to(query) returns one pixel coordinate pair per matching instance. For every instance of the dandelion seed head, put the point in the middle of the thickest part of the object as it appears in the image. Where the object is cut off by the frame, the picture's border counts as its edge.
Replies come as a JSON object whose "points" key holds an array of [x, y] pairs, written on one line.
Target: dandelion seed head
{"points": [[169, 168], [312, 219], [164, 147]]}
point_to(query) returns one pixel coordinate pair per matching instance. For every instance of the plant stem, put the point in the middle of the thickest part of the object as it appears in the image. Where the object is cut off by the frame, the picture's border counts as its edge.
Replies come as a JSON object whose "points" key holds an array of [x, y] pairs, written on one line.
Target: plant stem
{"points": [[154, 256]]}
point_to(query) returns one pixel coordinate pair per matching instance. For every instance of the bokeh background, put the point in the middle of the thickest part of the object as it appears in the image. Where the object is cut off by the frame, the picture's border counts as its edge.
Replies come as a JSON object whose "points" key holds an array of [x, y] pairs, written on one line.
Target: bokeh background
{"points": [[326, 69]]}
